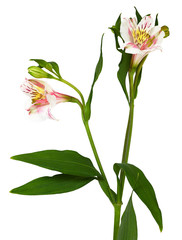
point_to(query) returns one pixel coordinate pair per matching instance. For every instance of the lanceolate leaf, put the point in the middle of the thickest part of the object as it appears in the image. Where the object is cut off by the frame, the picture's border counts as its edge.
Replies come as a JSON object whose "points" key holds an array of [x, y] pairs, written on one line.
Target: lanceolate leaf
{"points": [[156, 20], [124, 66], [142, 188], [137, 83], [68, 162], [128, 227], [139, 17], [60, 183], [116, 30], [138, 76], [109, 192], [55, 67], [96, 76]]}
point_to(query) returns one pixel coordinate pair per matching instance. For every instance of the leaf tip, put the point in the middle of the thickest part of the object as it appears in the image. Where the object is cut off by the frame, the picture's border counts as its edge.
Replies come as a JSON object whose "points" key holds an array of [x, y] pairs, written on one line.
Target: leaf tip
{"points": [[161, 227], [13, 157], [12, 191]]}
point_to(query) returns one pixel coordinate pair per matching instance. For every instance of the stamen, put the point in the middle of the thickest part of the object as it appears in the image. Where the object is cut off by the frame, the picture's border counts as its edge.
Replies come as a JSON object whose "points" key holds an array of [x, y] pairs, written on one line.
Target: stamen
{"points": [[140, 36]]}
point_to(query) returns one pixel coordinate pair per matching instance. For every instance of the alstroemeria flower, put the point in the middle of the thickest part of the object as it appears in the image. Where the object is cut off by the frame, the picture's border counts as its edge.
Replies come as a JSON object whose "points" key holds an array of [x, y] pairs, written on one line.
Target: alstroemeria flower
{"points": [[43, 97], [141, 39]]}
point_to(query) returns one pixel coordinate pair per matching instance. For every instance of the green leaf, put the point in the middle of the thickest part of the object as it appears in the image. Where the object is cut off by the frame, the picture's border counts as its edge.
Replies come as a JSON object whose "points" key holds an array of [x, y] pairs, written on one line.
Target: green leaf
{"points": [[128, 227], [142, 188], [48, 65], [156, 20], [116, 30], [60, 183], [96, 76], [139, 17], [109, 192], [138, 76], [55, 67], [124, 66], [67, 162], [38, 72], [137, 83]]}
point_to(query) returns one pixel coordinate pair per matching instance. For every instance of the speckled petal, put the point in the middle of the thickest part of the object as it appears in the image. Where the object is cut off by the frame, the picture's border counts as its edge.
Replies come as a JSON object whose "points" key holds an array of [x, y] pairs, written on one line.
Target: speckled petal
{"points": [[146, 23]]}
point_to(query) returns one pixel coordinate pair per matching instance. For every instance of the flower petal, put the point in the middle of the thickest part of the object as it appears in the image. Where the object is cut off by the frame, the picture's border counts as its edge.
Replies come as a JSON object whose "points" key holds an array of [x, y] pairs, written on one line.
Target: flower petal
{"points": [[40, 111], [132, 48], [146, 23], [51, 99], [127, 27], [155, 30]]}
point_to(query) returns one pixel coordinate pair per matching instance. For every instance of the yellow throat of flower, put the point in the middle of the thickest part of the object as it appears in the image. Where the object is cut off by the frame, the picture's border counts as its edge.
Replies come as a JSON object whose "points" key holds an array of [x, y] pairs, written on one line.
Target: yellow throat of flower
{"points": [[37, 94], [140, 36]]}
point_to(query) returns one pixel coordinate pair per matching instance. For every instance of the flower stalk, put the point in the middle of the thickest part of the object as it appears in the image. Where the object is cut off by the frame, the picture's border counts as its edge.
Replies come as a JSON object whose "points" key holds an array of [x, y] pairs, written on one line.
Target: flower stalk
{"points": [[73, 87], [126, 149]]}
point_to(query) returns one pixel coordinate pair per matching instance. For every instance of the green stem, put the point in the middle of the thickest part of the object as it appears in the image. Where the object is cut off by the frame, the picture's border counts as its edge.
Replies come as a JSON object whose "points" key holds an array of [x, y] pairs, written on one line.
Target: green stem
{"points": [[127, 142], [127, 146], [98, 159], [72, 86], [117, 213]]}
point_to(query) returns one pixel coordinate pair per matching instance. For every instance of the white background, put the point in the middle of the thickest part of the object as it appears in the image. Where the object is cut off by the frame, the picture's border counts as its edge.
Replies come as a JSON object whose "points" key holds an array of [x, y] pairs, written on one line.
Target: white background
{"points": [[69, 33]]}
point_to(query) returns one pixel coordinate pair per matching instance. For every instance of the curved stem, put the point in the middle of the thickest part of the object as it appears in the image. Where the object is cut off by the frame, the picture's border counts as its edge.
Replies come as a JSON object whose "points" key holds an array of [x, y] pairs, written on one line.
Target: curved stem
{"points": [[75, 88], [72, 86], [98, 160]]}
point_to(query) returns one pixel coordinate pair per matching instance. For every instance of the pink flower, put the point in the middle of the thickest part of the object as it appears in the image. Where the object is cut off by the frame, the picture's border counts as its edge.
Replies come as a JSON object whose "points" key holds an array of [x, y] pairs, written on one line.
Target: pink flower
{"points": [[43, 97], [143, 38]]}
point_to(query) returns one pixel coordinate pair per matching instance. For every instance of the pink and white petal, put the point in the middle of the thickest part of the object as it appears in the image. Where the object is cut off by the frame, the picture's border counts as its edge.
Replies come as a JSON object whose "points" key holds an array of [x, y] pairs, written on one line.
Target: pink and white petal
{"points": [[27, 87], [155, 47], [137, 58], [160, 38], [146, 23], [60, 98], [155, 30], [38, 112], [48, 88], [51, 99], [126, 31], [132, 23], [132, 48], [50, 115], [37, 83]]}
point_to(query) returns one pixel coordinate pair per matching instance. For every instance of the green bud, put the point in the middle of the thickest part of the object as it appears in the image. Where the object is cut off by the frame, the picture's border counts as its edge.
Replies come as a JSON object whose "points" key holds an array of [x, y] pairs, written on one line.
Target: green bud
{"points": [[43, 64], [38, 72], [165, 29]]}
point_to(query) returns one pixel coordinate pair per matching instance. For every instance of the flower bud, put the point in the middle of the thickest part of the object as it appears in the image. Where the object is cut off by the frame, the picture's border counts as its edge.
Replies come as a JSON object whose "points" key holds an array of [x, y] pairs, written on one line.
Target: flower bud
{"points": [[38, 72]]}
